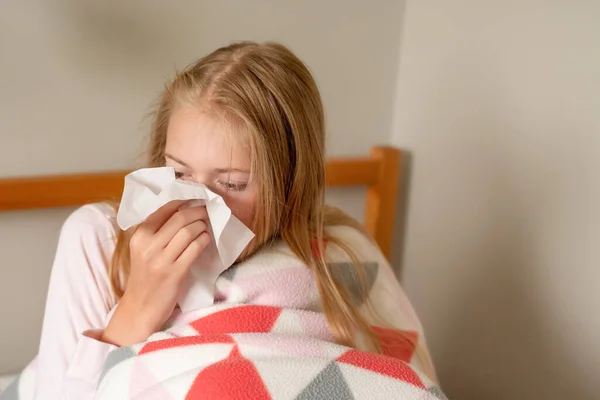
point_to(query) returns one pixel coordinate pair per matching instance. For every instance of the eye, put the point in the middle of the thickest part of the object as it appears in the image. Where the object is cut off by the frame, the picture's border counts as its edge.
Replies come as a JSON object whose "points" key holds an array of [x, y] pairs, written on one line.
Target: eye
{"points": [[236, 187], [179, 175]]}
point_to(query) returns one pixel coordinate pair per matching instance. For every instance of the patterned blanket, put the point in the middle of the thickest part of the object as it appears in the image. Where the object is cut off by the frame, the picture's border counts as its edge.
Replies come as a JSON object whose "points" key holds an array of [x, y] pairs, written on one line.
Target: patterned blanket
{"points": [[257, 352], [266, 337]]}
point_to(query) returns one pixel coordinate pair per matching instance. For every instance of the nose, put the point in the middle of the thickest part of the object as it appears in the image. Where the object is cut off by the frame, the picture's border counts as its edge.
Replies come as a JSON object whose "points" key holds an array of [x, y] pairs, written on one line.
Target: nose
{"points": [[206, 181]]}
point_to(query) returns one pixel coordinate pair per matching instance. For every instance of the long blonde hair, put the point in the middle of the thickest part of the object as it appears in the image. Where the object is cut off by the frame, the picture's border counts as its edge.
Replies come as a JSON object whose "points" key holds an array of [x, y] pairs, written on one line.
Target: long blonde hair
{"points": [[271, 92]]}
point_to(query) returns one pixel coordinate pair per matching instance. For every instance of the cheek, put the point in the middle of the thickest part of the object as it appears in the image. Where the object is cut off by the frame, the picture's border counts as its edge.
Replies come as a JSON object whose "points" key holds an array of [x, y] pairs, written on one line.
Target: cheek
{"points": [[243, 207]]}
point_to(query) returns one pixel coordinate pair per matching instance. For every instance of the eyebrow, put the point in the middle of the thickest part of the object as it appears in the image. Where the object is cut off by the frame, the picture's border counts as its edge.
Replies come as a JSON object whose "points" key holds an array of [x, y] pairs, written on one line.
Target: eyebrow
{"points": [[227, 170], [177, 160], [217, 170]]}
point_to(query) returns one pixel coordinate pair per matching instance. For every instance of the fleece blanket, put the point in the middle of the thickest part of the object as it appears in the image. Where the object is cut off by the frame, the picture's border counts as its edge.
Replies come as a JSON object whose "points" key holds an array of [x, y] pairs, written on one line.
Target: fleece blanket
{"points": [[266, 337], [257, 352]]}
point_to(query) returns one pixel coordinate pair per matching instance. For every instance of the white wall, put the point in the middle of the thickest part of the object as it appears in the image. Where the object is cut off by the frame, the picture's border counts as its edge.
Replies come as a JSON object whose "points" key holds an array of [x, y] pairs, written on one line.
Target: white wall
{"points": [[77, 76], [499, 104]]}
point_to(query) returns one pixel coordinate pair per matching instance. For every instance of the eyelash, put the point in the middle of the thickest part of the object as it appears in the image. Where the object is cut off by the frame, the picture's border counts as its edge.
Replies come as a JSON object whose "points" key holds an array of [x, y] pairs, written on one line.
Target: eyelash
{"points": [[236, 187]]}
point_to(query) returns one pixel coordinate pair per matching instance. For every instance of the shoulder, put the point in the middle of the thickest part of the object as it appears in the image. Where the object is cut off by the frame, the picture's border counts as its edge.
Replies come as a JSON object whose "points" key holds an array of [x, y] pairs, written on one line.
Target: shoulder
{"points": [[385, 292], [361, 245], [80, 271], [97, 220]]}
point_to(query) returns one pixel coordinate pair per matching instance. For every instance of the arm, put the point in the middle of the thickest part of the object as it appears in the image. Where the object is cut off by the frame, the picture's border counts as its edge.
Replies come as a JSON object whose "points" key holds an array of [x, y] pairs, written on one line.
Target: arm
{"points": [[391, 314], [79, 299]]}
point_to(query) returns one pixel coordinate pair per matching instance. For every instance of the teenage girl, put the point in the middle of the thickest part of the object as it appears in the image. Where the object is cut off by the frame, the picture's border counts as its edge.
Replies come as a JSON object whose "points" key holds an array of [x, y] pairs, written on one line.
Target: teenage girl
{"points": [[247, 121]]}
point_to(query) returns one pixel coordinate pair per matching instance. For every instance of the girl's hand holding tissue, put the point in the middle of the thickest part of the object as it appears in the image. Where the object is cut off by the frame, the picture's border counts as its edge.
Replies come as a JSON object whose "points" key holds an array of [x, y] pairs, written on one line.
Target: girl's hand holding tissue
{"points": [[162, 250]]}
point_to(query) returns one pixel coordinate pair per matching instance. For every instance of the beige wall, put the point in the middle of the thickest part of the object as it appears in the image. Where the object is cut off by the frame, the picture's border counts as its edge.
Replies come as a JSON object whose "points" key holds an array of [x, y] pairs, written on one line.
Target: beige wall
{"points": [[77, 76], [499, 104]]}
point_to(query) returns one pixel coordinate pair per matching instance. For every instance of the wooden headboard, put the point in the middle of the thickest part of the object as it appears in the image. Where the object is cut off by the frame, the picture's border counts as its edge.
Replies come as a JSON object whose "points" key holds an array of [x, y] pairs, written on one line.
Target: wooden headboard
{"points": [[379, 172]]}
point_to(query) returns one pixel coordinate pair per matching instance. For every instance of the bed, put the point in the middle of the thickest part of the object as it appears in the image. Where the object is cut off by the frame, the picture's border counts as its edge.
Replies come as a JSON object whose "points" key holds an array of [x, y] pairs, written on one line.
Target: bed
{"points": [[379, 172]]}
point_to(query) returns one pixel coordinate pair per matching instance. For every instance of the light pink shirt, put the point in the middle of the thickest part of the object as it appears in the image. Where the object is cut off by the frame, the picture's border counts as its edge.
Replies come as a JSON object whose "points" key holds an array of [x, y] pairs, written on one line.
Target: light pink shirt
{"points": [[80, 299]]}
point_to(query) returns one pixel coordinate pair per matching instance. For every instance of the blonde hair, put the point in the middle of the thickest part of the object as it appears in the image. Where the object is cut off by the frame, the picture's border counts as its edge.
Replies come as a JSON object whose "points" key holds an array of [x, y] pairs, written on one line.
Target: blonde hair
{"points": [[268, 90]]}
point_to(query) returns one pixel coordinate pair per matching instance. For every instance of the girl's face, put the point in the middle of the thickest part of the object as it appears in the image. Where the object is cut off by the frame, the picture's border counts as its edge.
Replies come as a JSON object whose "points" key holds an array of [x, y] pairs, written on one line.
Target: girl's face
{"points": [[206, 150]]}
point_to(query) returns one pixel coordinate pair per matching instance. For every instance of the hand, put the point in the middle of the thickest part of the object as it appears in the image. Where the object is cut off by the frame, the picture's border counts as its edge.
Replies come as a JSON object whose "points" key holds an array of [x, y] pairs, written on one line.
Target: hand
{"points": [[162, 250]]}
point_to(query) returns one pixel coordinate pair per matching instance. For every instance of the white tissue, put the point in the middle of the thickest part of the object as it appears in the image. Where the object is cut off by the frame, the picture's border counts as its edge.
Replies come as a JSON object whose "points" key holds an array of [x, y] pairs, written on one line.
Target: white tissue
{"points": [[148, 189]]}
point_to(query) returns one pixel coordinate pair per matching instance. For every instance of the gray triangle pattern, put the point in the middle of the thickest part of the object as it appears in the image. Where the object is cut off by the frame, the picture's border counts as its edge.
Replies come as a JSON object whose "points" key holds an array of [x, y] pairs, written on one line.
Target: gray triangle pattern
{"points": [[330, 384], [345, 272], [437, 392], [115, 357], [229, 273]]}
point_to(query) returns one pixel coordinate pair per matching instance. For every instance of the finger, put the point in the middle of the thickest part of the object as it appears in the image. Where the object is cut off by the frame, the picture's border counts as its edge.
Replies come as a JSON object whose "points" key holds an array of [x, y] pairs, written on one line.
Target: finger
{"points": [[177, 222], [193, 251], [157, 219], [183, 238]]}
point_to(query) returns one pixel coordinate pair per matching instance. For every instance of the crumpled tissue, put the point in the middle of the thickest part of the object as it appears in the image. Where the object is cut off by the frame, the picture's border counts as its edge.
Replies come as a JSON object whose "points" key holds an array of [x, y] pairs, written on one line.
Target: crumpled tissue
{"points": [[148, 189]]}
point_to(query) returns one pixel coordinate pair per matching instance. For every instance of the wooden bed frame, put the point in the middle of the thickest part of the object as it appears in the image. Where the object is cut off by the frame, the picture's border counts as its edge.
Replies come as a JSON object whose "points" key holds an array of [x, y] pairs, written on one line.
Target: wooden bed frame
{"points": [[379, 172]]}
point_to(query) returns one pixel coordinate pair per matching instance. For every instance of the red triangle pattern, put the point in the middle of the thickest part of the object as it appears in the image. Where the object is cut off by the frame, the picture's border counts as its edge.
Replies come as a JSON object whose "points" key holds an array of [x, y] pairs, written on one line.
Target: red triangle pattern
{"points": [[234, 378], [246, 319], [185, 341], [382, 365], [397, 344], [314, 245]]}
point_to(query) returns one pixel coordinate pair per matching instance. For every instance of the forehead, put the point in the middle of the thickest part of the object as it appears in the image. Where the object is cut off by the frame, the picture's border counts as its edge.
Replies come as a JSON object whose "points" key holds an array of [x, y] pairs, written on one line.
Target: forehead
{"points": [[205, 140]]}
